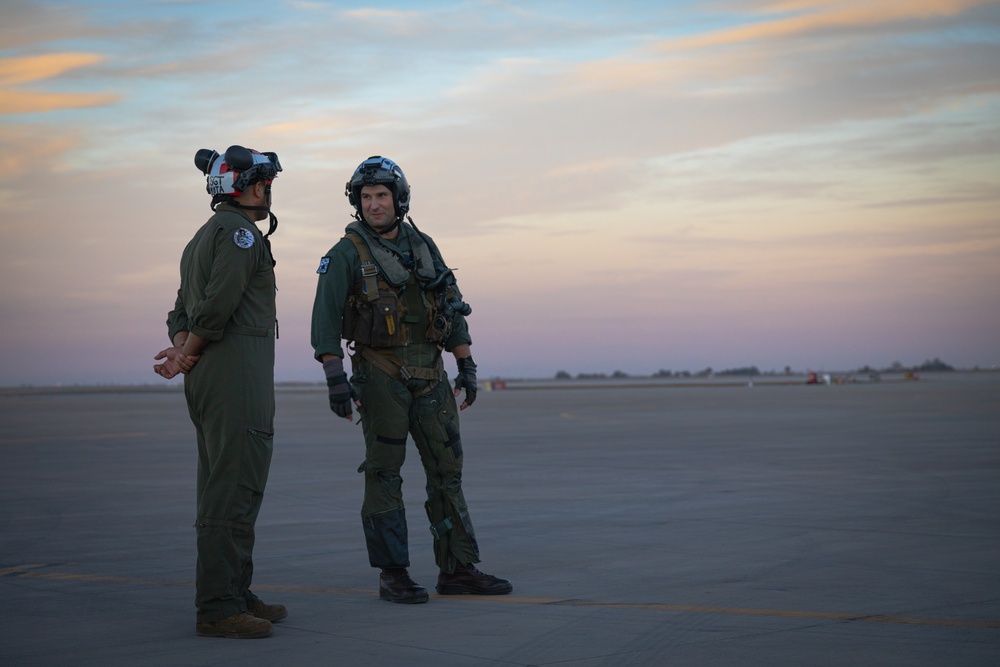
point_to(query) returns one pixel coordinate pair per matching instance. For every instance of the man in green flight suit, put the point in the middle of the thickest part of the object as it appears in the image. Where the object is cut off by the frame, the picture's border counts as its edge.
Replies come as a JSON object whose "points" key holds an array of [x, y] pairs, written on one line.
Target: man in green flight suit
{"points": [[384, 288], [222, 329]]}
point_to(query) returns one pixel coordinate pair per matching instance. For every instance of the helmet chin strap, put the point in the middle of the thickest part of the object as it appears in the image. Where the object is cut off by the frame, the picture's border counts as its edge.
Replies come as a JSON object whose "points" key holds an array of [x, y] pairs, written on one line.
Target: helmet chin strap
{"points": [[360, 218], [392, 226]]}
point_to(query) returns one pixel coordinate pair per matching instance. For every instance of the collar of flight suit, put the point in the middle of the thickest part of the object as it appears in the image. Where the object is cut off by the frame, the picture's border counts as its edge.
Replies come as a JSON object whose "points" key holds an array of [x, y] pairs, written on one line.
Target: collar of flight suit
{"points": [[388, 261]]}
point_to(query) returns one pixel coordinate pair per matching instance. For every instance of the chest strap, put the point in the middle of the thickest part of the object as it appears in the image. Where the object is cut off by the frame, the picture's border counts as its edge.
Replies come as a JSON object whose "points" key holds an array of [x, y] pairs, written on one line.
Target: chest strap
{"points": [[369, 270]]}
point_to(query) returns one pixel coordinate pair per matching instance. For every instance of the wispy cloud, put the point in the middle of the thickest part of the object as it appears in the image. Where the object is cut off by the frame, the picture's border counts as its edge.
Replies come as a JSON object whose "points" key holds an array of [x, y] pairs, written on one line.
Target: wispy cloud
{"points": [[30, 151], [15, 71], [19, 102], [394, 15], [799, 17], [32, 69]]}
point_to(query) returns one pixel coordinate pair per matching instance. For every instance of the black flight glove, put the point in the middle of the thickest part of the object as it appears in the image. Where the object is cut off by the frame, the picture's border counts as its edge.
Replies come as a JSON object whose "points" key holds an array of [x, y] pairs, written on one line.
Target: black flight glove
{"points": [[341, 393], [466, 379]]}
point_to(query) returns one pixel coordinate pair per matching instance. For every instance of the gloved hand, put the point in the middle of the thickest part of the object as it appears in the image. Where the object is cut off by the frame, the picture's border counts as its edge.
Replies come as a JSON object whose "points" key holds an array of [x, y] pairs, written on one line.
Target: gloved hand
{"points": [[341, 393], [466, 379]]}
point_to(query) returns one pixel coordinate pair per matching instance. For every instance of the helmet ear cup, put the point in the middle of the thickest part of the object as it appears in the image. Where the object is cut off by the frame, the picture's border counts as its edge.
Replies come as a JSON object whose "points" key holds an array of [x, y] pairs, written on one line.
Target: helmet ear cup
{"points": [[204, 158], [401, 190], [349, 191], [239, 158]]}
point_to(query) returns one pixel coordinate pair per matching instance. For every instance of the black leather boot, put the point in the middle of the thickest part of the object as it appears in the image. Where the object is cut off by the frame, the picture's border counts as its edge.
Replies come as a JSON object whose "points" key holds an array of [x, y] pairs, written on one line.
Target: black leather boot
{"points": [[467, 579], [395, 585]]}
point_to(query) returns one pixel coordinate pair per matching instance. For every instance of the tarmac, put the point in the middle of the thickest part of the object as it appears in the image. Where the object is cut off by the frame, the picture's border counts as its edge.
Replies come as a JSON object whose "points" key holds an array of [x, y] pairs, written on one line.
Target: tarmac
{"points": [[773, 524]]}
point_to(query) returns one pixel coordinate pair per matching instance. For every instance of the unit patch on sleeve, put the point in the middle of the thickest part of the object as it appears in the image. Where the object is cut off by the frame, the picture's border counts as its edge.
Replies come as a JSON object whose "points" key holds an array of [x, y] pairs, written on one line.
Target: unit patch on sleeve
{"points": [[324, 264], [243, 237]]}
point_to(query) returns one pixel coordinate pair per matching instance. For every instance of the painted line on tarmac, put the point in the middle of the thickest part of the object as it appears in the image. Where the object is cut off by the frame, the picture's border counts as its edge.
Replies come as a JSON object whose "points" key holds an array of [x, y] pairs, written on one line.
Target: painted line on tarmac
{"points": [[792, 613], [30, 572], [18, 569], [68, 439]]}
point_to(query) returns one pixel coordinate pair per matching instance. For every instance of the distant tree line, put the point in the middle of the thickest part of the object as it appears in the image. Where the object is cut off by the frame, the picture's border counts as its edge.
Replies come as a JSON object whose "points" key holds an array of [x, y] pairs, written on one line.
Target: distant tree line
{"points": [[931, 365]]}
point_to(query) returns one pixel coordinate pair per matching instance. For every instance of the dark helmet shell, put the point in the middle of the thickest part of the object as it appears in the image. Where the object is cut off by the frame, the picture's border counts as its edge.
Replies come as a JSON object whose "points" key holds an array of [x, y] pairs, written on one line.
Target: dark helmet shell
{"points": [[378, 170]]}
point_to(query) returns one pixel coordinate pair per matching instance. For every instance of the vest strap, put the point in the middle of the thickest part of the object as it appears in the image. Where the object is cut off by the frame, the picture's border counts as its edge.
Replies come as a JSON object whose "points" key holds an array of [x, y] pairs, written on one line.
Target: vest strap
{"points": [[369, 270], [393, 366]]}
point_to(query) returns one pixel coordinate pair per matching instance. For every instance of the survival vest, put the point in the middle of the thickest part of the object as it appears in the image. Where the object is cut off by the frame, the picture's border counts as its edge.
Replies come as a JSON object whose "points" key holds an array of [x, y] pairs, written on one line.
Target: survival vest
{"points": [[389, 307]]}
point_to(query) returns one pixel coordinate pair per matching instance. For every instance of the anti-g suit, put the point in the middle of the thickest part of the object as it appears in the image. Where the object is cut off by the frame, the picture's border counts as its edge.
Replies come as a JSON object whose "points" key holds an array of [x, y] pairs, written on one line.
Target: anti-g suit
{"points": [[372, 293]]}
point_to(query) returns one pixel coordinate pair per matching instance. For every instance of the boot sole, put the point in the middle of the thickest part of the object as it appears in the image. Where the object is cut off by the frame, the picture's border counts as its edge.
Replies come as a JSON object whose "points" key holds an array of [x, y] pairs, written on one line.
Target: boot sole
{"points": [[416, 599], [273, 619], [212, 632], [457, 589]]}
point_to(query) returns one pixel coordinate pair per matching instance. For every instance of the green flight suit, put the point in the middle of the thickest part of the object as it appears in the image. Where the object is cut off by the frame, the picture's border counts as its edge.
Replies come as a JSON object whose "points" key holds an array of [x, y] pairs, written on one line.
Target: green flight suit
{"points": [[391, 409], [227, 295]]}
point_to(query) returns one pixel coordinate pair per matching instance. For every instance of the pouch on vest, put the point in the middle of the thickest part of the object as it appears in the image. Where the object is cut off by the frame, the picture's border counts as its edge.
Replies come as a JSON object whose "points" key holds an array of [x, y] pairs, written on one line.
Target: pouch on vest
{"points": [[378, 316], [373, 323], [385, 322], [439, 326]]}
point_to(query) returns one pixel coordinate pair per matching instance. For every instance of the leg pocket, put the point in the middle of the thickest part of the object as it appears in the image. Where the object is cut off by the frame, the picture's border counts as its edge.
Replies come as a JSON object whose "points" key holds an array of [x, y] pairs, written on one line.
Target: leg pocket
{"points": [[445, 425], [256, 462], [249, 492]]}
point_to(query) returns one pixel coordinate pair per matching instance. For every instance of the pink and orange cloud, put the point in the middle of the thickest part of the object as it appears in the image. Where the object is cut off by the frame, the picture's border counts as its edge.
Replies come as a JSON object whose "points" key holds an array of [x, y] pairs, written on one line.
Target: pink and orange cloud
{"points": [[31, 69], [817, 15]]}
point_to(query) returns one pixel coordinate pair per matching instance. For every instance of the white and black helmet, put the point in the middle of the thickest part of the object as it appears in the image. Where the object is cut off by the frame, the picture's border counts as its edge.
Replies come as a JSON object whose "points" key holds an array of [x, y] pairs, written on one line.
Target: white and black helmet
{"points": [[228, 175], [378, 170], [236, 170]]}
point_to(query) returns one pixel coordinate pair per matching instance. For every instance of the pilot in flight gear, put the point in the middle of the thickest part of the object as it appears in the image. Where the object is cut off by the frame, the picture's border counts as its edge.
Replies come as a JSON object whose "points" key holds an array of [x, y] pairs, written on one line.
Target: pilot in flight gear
{"points": [[385, 289], [223, 330]]}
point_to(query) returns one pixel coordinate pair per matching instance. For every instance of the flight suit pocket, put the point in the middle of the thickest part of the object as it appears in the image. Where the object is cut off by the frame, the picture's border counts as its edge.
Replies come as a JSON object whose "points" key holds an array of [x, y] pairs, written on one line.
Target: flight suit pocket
{"points": [[441, 428], [453, 439], [256, 459]]}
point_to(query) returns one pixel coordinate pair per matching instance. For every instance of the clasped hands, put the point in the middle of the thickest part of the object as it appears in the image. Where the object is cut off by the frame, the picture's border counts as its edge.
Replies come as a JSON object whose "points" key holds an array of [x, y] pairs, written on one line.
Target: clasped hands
{"points": [[176, 362]]}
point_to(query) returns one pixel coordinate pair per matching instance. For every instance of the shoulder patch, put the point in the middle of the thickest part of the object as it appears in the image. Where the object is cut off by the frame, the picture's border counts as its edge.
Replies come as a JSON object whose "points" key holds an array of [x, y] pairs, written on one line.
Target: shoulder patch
{"points": [[243, 237], [324, 265]]}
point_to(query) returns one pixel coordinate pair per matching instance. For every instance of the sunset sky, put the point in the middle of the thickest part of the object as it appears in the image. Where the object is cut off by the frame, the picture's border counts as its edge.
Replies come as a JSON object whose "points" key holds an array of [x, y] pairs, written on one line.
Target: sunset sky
{"points": [[622, 185]]}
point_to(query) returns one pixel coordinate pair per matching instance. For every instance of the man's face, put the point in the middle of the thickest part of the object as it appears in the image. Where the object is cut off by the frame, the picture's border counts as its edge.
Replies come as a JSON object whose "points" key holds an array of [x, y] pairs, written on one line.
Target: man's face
{"points": [[377, 207]]}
